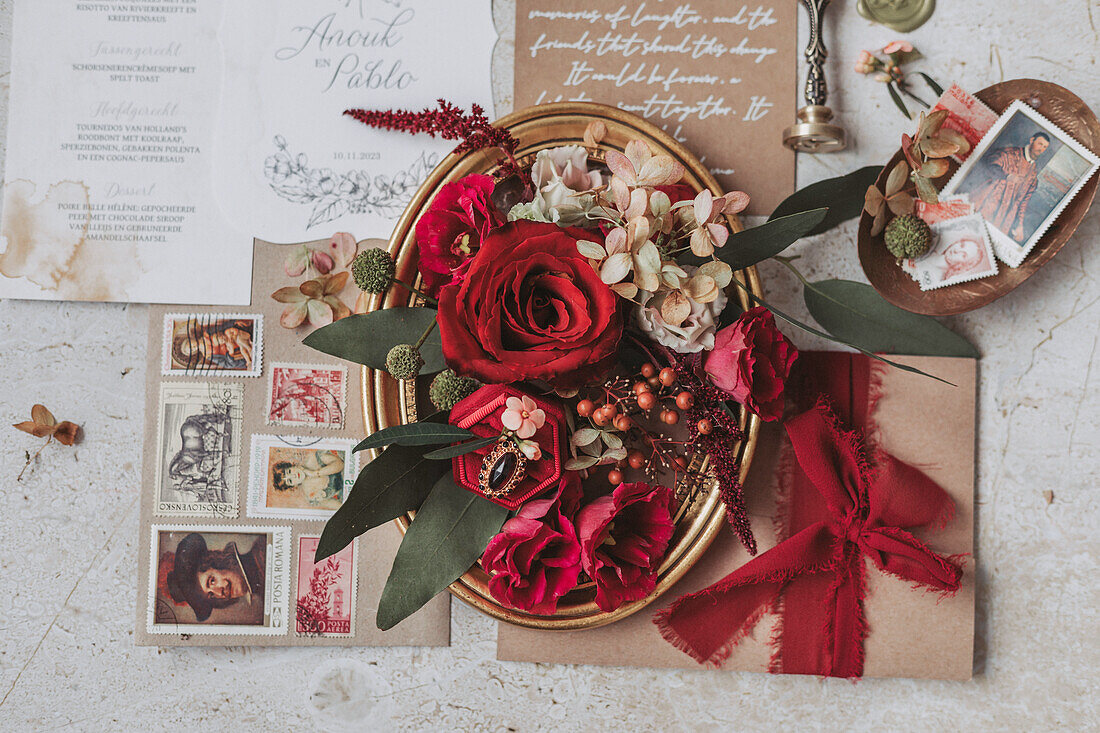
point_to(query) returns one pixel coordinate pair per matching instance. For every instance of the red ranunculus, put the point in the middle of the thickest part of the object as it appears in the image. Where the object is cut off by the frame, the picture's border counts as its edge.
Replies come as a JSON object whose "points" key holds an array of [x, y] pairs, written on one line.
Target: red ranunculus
{"points": [[531, 307], [452, 229], [623, 538], [536, 558], [751, 361]]}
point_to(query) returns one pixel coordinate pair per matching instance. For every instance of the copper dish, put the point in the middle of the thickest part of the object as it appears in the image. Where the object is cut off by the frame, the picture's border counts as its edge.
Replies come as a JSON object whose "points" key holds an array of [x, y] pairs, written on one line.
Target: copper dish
{"points": [[388, 402], [1065, 110]]}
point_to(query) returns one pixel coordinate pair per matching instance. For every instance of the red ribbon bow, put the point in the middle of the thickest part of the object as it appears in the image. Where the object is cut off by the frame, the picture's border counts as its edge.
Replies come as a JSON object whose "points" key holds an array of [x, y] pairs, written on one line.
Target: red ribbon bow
{"points": [[841, 509]]}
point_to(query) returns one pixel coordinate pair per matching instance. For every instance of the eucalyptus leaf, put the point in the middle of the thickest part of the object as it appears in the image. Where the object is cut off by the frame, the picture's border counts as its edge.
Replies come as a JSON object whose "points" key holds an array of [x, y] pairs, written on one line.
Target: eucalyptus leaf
{"points": [[936, 88], [417, 433], [817, 332], [366, 338], [897, 100], [844, 196], [453, 451], [746, 248], [855, 312], [448, 535], [387, 487]]}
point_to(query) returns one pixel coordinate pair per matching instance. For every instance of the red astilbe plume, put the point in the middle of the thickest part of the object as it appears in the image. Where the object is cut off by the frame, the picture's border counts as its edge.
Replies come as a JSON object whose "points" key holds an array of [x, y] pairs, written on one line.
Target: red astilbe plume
{"points": [[450, 123]]}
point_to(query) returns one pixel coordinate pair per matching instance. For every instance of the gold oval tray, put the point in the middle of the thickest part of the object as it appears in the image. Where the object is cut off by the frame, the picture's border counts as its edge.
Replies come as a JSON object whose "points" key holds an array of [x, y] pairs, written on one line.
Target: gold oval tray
{"points": [[1058, 105], [388, 402]]}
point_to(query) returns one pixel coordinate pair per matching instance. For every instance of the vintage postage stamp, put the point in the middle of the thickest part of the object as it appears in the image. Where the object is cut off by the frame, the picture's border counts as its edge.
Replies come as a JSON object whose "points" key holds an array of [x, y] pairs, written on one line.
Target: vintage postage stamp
{"points": [[326, 591], [961, 252], [307, 395], [967, 115], [1020, 177], [949, 207], [299, 476], [219, 344], [198, 449], [219, 580]]}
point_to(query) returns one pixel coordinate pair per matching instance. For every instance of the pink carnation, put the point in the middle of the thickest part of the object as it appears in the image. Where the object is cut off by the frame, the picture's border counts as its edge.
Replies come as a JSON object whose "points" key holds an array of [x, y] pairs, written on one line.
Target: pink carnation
{"points": [[536, 558], [623, 538]]}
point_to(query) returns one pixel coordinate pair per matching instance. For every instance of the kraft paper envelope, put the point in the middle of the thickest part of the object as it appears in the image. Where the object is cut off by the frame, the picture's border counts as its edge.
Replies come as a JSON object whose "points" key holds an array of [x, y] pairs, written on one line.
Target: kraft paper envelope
{"points": [[913, 633], [375, 551]]}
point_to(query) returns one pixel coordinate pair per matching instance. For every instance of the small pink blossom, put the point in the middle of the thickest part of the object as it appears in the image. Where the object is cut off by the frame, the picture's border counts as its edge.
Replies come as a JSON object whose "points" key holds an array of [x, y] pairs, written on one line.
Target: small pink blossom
{"points": [[898, 46], [523, 417]]}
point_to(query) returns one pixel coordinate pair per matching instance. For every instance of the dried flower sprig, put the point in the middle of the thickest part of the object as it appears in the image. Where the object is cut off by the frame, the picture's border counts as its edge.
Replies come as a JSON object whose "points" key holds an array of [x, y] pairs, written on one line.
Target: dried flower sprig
{"points": [[44, 425], [927, 151], [449, 122], [894, 199], [886, 66]]}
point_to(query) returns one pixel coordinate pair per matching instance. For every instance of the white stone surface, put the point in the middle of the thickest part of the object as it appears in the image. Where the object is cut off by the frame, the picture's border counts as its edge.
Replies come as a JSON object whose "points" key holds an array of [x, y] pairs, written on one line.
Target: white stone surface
{"points": [[69, 529]]}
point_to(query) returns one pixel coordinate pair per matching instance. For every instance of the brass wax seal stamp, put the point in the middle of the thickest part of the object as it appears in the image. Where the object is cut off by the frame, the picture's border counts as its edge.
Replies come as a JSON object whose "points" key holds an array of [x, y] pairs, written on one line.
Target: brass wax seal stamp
{"points": [[900, 15], [814, 132]]}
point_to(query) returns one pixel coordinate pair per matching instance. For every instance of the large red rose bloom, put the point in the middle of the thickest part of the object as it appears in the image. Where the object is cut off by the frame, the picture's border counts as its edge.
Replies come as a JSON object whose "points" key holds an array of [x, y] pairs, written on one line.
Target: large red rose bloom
{"points": [[530, 307]]}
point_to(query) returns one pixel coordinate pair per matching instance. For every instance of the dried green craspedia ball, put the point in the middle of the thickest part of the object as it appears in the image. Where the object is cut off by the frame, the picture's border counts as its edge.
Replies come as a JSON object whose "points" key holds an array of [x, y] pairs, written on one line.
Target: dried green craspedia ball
{"points": [[404, 361], [908, 236], [448, 389], [373, 270]]}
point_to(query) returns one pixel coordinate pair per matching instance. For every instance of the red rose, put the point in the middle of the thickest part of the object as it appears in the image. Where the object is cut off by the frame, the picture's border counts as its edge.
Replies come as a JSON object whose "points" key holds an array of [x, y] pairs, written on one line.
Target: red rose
{"points": [[751, 361], [536, 558], [623, 538], [530, 307], [677, 192], [452, 229]]}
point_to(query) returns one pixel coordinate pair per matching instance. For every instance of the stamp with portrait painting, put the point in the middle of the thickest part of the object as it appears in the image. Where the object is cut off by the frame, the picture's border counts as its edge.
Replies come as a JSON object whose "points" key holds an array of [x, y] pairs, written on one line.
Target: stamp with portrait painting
{"points": [[299, 477], [326, 591], [198, 449], [1021, 176], [960, 252], [219, 580], [220, 344], [307, 395]]}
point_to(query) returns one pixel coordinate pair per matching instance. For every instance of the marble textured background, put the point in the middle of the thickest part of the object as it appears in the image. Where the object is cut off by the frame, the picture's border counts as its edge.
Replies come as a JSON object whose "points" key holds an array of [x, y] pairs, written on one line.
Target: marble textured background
{"points": [[67, 570]]}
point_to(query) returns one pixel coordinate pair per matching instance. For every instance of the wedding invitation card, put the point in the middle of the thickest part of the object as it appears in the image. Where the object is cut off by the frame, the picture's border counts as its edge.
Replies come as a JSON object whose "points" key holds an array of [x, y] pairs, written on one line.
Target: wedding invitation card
{"points": [[187, 129]]}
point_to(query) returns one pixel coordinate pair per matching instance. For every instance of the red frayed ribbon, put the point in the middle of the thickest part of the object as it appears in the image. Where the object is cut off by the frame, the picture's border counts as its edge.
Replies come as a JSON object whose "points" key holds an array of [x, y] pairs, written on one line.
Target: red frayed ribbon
{"points": [[841, 509]]}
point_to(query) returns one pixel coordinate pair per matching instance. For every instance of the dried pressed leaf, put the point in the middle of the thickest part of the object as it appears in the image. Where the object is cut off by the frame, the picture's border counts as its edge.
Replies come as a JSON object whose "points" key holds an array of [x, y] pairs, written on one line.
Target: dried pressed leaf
{"points": [[42, 416], [901, 204], [38, 431], [294, 315], [343, 248], [290, 294], [736, 202], [616, 267], [625, 290], [591, 250], [926, 190], [312, 288], [938, 147], [621, 166], [339, 310], [676, 308], [704, 205], [719, 271], [873, 201], [66, 432], [701, 289], [934, 168], [333, 284], [594, 133], [896, 180], [879, 223], [956, 137]]}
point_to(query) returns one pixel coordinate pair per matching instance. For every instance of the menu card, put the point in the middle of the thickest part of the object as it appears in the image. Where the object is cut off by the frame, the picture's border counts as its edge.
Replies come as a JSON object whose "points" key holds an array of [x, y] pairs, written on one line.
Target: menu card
{"points": [[148, 143]]}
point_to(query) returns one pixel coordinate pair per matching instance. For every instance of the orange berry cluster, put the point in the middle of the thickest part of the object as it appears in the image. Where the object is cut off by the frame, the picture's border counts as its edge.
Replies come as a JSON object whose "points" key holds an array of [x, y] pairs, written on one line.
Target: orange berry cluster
{"points": [[653, 389]]}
